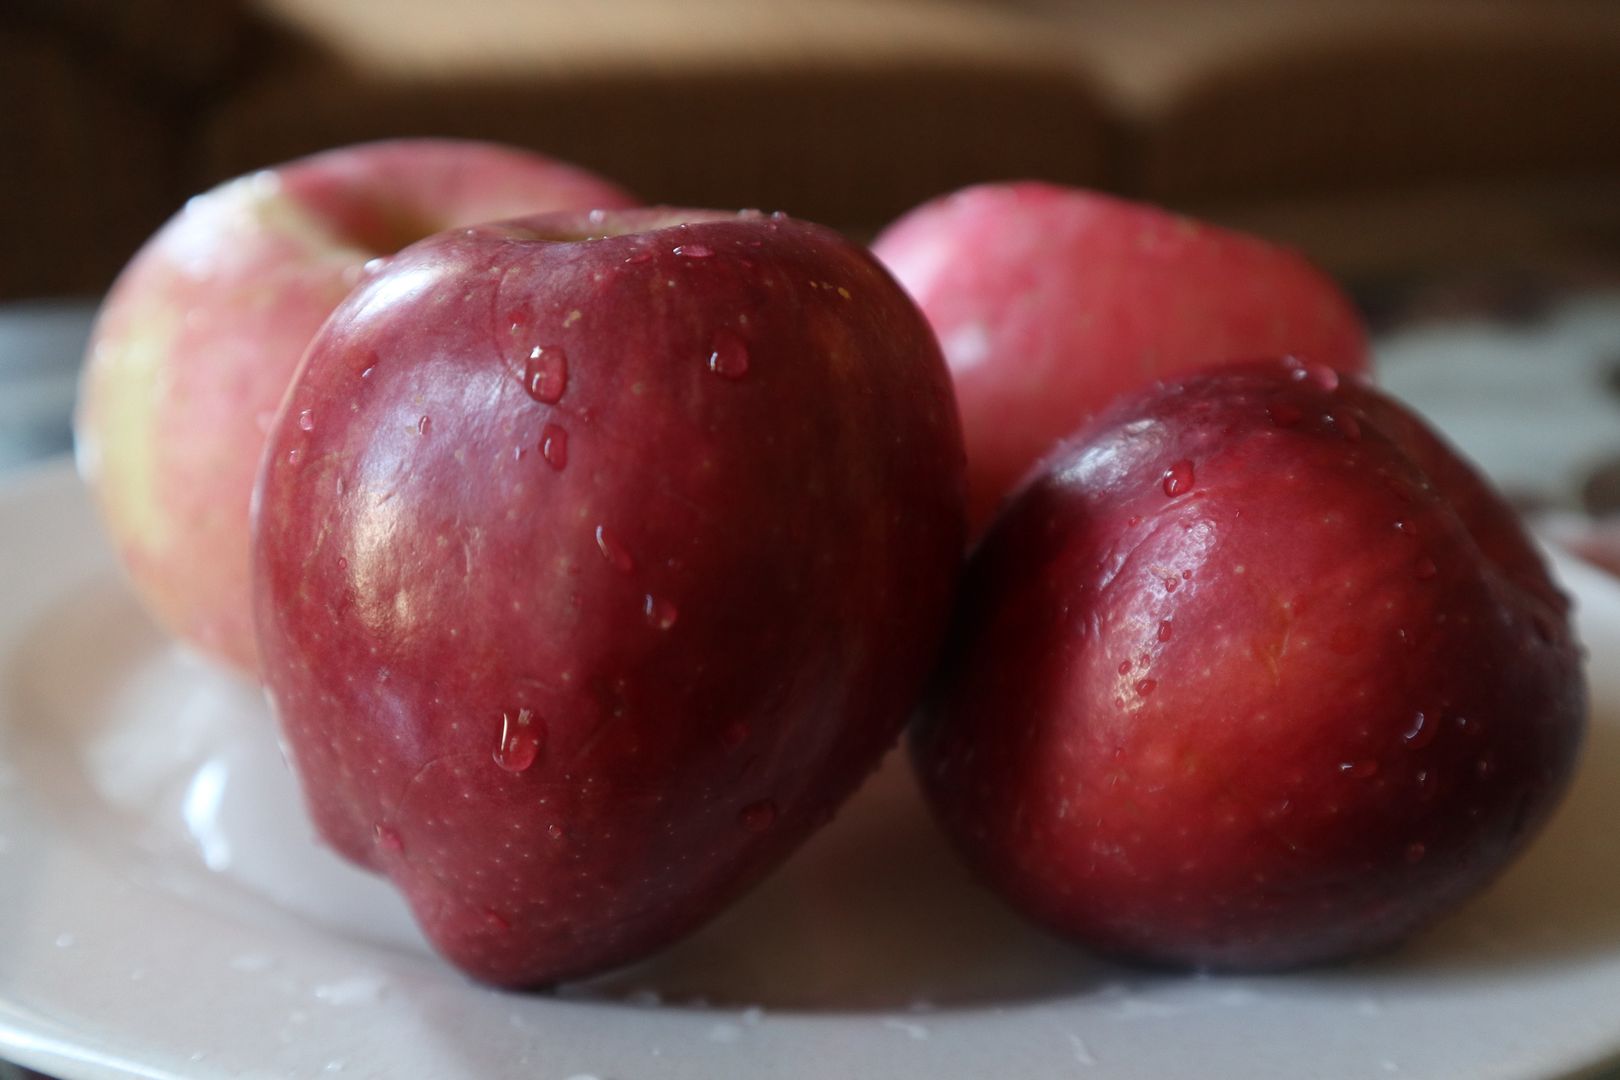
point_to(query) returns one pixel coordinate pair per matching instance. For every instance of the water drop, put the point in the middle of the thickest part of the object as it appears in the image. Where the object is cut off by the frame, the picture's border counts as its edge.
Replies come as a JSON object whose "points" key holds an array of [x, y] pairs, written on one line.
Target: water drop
{"points": [[1285, 414], [555, 831], [1350, 426], [342, 564], [293, 456], [638, 258], [422, 425], [660, 613], [1178, 478], [1323, 376], [496, 920], [554, 446], [306, 420], [1421, 731], [1415, 852], [521, 735], [613, 551], [1359, 770], [728, 355], [1146, 687], [1166, 629], [694, 251], [388, 838], [758, 816], [545, 374], [1425, 569], [1124, 667]]}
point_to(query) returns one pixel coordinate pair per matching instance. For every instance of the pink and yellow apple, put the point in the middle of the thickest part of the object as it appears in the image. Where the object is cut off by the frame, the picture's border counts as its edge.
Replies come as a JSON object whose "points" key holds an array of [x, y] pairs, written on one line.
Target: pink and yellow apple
{"points": [[1255, 672], [197, 341], [1049, 302], [598, 558]]}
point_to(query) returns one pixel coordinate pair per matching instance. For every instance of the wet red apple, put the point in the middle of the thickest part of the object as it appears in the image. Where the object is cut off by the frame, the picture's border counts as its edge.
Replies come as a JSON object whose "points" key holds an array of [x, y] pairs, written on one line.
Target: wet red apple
{"points": [[1254, 672], [597, 560], [1052, 301], [198, 339]]}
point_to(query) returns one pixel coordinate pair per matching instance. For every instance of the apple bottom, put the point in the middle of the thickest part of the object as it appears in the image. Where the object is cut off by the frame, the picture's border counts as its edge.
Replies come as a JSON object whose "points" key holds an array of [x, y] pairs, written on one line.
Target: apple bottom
{"points": [[1253, 674]]}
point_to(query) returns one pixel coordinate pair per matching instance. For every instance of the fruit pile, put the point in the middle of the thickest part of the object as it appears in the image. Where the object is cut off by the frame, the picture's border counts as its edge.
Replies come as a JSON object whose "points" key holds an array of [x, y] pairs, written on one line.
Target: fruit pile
{"points": [[592, 555]]}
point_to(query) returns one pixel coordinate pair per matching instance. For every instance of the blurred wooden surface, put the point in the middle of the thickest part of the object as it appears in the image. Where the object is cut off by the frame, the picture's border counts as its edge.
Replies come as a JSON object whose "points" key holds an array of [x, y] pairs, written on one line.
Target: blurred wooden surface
{"points": [[1364, 130]]}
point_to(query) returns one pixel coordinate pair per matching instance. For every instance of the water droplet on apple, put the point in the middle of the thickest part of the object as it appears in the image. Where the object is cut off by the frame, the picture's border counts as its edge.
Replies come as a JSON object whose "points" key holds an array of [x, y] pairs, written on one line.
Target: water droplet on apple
{"points": [[1359, 770], [555, 831], [1422, 730], [613, 551], [496, 920], [342, 564], [545, 374], [1323, 376], [388, 838], [1426, 784], [638, 258], [1350, 426], [294, 455], [660, 613], [422, 425], [1484, 767], [306, 420], [1415, 852], [554, 446], [1146, 687], [1166, 629], [1285, 414], [758, 816], [1124, 667], [728, 355], [1425, 568], [1178, 478], [694, 251], [521, 735]]}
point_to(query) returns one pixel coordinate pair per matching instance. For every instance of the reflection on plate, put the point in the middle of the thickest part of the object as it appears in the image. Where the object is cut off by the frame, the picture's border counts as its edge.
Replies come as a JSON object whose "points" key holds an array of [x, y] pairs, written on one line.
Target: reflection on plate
{"points": [[164, 912]]}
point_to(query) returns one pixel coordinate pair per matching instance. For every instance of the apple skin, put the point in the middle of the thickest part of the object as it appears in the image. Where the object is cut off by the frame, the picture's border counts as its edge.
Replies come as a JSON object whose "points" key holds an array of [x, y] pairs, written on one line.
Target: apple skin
{"points": [[199, 337], [1255, 672], [1051, 301], [704, 622]]}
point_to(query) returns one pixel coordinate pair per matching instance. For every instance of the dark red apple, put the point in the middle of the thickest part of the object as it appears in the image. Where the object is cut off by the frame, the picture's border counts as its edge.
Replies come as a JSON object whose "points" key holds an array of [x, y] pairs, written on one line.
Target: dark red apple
{"points": [[1254, 672], [1052, 301], [597, 560]]}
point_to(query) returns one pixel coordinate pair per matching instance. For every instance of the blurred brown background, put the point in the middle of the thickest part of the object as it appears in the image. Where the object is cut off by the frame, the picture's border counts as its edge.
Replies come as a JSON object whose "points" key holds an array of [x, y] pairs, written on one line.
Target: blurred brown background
{"points": [[1376, 134]]}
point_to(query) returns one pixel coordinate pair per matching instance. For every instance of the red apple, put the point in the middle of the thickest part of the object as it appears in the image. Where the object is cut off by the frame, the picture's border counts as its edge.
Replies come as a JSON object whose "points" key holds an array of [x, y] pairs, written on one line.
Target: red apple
{"points": [[1255, 672], [597, 559], [1051, 301], [196, 344]]}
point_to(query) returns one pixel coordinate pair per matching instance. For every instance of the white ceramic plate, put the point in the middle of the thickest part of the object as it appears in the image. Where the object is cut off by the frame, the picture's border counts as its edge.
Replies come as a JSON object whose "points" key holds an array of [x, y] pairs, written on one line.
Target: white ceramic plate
{"points": [[163, 913]]}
